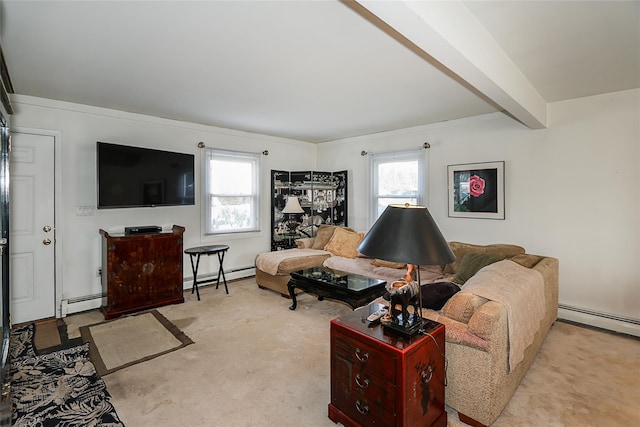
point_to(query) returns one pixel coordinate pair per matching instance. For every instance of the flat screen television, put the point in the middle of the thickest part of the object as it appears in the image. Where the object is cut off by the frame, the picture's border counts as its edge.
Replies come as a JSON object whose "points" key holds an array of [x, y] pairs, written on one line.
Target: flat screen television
{"points": [[137, 177]]}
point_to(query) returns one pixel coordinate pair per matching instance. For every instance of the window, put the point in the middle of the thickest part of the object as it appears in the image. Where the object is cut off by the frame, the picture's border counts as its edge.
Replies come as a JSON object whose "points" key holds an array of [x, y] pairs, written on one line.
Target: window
{"points": [[397, 178], [231, 191]]}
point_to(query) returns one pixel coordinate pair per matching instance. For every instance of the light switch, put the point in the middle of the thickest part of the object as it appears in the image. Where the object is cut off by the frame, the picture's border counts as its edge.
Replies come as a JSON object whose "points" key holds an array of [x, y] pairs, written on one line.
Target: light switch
{"points": [[84, 211]]}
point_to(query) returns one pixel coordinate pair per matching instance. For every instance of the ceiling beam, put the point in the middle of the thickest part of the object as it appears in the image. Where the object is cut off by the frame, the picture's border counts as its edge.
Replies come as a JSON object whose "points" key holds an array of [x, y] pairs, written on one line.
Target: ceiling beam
{"points": [[450, 34]]}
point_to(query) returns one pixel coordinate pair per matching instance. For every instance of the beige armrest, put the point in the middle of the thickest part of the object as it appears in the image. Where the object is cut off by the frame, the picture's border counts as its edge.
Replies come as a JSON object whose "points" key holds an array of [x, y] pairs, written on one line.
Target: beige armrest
{"points": [[457, 332], [305, 243], [488, 320]]}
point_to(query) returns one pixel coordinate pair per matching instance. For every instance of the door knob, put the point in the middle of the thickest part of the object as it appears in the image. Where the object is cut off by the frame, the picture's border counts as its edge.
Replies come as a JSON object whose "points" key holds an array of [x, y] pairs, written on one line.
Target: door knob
{"points": [[46, 228], [46, 242]]}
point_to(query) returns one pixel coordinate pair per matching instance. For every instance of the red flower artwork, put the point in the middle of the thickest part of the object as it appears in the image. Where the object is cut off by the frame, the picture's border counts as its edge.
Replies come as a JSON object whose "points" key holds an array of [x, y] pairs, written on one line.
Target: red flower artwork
{"points": [[476, 186]]}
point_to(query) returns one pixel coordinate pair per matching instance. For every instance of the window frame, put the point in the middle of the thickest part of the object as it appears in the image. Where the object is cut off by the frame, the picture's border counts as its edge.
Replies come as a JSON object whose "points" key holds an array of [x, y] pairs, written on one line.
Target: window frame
{"points": [[377, 159], [237, 156]]}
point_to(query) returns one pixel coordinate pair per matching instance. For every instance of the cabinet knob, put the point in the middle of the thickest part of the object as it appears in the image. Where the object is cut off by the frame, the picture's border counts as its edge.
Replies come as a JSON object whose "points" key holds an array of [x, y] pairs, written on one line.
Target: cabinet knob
{"points": [[362, 383], [426, 376], [363, 357], [362, 408]]}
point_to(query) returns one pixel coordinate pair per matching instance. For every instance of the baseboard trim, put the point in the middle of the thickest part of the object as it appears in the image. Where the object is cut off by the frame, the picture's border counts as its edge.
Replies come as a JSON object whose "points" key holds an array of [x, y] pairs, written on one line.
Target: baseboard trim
{"points": [[611, 322], [91, 302]]}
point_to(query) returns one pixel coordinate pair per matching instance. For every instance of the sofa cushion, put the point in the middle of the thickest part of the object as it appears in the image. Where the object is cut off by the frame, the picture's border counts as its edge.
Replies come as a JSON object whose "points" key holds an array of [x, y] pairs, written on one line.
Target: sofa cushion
{"points": [[527, 260], [302, 262], [344, 243], [462, 305], [435, 295], [388, 264], [472, 262], [288, 260], [459, 249]]}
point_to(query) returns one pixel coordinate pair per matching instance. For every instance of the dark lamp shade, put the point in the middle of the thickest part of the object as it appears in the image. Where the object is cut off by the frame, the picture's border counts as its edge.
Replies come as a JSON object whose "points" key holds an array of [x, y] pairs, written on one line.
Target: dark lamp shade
{"points": [[407, 234]]}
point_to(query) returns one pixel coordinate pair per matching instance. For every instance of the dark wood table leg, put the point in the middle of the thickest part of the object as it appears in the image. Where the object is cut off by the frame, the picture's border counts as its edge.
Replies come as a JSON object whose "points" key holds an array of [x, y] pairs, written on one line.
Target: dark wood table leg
{"points": [[292, 294], [221, 271], [194, 269]]}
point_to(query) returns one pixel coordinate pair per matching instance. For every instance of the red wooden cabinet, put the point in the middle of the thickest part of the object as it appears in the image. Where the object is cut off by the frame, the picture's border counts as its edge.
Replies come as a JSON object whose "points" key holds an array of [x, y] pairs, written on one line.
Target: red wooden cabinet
{"points": [[141, 271], [381, 380]]}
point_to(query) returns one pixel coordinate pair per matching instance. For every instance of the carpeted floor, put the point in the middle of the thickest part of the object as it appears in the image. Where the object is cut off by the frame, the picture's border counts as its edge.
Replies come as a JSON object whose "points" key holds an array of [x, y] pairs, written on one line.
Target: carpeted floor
{"points": [[257, 363]]}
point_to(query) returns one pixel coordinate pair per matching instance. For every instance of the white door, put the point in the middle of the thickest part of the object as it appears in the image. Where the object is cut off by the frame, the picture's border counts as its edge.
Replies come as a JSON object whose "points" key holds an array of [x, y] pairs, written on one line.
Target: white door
{"points": [[32, 228]]}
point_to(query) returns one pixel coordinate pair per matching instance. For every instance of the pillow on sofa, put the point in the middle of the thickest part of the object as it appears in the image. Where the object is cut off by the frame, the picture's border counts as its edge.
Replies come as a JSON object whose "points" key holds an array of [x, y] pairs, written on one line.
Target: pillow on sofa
{"points": [[462, 305], [389, 264], [460, 249], [323, 235], [344, 243], [435, 295], [472, 262]]}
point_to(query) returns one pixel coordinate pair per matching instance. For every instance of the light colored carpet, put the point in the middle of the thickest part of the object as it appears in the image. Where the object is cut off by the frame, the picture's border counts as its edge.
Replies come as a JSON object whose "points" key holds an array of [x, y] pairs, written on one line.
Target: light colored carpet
{"points": [[75, 321], [257, 363], [122, 342]]}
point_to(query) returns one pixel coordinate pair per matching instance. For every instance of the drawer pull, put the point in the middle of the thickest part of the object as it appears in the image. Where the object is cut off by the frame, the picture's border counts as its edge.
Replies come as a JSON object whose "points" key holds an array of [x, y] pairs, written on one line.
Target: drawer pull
{"points": [[362, 384], [363, 409], [363, 357], [426, 377]]}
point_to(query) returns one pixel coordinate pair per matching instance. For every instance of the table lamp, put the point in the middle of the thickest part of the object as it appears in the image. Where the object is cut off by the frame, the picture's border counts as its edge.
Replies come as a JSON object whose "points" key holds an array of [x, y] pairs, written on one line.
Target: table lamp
{"points": [[407, 234], [292, 207]]}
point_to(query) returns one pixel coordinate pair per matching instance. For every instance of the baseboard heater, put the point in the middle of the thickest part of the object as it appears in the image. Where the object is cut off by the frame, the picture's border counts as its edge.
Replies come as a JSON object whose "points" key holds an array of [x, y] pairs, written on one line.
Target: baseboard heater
{"points": [[64, 304], [626, 325], [215, 275]]}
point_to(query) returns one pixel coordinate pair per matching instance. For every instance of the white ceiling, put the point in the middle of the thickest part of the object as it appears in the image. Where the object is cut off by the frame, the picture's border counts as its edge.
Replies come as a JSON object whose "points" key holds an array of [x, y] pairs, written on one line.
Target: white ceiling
{"points": [[321, 70]]}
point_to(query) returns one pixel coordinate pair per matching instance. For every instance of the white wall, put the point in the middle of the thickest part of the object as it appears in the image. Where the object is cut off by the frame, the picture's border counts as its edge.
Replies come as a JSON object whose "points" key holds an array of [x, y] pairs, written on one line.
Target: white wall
{"points": [[571, 192], [78, 128], [571, 189]]}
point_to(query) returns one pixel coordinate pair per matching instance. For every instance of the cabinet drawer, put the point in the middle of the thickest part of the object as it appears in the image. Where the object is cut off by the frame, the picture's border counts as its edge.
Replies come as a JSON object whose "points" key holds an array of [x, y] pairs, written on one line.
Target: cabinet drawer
{"points": [[360, 408], [365, 358], [364, 382]]}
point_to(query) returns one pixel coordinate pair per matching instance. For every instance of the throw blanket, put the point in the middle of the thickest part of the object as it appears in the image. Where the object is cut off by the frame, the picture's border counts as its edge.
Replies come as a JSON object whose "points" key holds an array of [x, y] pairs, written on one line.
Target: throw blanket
{"points": [[521, 290], [269, 261]]}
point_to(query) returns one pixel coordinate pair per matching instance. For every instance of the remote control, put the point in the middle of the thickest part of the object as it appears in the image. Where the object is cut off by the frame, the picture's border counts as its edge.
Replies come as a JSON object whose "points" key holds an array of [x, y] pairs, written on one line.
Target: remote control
{"points": [[376, 315]]}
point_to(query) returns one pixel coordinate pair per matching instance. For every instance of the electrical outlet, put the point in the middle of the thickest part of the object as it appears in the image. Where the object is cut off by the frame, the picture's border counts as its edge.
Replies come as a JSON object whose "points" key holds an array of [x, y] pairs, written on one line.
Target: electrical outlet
{"points": [[99, 272]]}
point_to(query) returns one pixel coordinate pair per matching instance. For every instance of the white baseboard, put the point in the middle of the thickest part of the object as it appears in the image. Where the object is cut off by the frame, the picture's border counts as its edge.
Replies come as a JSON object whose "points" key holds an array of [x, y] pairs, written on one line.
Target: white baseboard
{"points": [[240, 273], [68, 307], [600, 320], [93, 302]]}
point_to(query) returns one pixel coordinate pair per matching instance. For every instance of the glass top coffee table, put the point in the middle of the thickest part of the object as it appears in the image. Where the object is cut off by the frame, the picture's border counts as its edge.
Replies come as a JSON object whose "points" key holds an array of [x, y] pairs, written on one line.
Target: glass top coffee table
{"points": [[354, 289]]}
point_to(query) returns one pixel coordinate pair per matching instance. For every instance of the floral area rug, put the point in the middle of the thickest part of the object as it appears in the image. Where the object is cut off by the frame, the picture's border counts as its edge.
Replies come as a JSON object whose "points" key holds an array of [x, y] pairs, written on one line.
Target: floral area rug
{"points": [[60, 388]]}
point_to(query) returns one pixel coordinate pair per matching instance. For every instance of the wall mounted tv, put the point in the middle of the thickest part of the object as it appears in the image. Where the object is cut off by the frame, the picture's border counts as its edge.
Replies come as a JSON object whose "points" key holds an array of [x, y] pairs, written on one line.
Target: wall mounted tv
{"points": [[137, 177]]}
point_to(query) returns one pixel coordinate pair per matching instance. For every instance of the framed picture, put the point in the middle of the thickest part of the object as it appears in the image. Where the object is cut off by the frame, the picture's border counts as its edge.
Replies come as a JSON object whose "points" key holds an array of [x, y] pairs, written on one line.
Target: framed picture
{"points": [[476, 190]]}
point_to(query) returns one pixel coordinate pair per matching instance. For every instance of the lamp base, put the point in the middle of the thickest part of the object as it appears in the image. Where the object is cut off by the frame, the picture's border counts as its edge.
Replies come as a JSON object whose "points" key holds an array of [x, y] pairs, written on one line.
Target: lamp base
{"points": [[292, 226], [396, 327]]}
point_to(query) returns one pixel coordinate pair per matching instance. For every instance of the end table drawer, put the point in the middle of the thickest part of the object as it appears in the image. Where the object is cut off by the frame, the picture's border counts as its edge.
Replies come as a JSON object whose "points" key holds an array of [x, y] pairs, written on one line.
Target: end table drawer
{"points": [[370, 386], [365, 358], [361, 409]]}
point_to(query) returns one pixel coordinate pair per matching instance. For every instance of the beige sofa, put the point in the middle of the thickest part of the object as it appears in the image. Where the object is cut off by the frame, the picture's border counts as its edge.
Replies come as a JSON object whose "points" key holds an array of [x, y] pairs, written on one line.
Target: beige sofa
{"points": [[273, 268], [480, 378]]}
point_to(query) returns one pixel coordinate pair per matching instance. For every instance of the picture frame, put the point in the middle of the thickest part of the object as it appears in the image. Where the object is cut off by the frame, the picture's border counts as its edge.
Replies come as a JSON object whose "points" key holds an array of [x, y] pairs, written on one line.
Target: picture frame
{"points": [[476, 190]]}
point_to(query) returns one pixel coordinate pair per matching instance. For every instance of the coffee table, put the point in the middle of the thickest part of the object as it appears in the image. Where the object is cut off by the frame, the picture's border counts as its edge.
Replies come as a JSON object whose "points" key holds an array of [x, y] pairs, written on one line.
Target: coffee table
{"points": [[354, 289]]}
